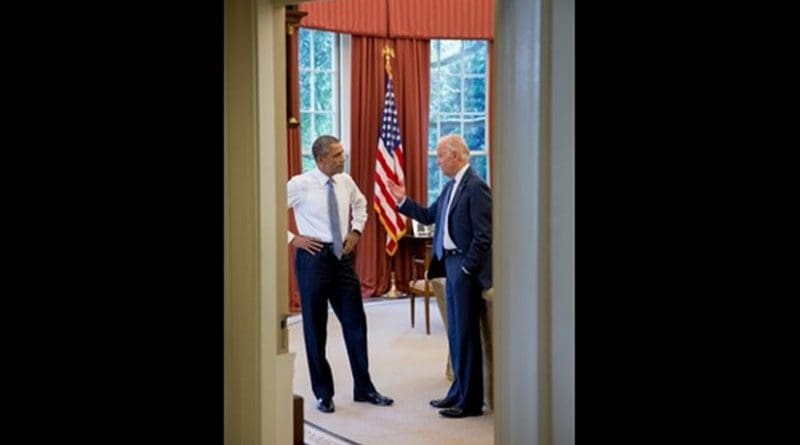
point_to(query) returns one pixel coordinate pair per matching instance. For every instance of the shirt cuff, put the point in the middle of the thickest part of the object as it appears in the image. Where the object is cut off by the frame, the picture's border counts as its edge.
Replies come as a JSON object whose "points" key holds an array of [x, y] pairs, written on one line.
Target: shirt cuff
{"points": [[465, 270], [402, 201]]}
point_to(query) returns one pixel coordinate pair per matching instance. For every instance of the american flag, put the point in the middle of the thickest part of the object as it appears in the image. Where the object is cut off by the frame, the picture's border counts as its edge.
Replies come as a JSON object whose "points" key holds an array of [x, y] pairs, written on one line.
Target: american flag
{"points": [[389, 164]]}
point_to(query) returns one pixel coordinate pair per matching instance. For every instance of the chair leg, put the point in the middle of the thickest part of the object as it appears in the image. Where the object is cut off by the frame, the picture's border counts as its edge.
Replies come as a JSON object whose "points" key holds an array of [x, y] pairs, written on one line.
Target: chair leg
{"points": [[412, 310], [427, 315]]}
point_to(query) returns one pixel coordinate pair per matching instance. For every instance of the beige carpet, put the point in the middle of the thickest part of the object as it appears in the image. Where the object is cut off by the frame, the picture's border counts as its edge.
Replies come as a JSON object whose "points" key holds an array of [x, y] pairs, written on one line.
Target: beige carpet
{"points": [[406, 365]]}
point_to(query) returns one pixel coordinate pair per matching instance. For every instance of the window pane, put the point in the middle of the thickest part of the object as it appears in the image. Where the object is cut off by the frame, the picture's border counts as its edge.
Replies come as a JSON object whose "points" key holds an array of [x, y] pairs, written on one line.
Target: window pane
{"points": [[436, 94], [323, 123], [451, 94], [308, 163], [450, 57], [433, 134], [451, 65], [306, 79], [323, 50], [478, 162], [323, 92], [475, 133], [475, 95], [450, 48], [458, 103], [305, 49], [450, 127], [475, 55], [434, 51], [306, 131], [318, 92], [434, 176]]}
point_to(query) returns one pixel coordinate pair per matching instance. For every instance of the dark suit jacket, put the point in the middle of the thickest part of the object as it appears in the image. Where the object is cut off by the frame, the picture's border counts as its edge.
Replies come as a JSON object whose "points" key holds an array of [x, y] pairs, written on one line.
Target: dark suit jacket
{"points": [[470, 225]]}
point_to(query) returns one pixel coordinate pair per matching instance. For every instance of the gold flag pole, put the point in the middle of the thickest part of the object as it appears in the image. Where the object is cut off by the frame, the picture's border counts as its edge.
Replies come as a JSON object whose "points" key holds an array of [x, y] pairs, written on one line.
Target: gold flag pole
{"points": [[393, 293], [388, 53]]}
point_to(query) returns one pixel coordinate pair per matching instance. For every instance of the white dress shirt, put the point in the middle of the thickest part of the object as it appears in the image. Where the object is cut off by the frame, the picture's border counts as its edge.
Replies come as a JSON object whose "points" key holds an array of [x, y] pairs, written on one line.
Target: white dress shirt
{"points": [[447, 241], [308, 195]]}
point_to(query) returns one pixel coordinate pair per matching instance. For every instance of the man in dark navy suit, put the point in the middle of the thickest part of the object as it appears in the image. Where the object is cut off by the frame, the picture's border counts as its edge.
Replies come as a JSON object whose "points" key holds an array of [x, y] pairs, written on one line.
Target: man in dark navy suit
{"points": [[463, 245]]}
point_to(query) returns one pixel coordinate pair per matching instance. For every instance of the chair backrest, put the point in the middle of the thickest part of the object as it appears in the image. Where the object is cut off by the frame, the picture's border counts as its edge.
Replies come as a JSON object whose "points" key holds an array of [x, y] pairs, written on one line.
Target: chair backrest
{"points": [[428, 256], [425, 262]]}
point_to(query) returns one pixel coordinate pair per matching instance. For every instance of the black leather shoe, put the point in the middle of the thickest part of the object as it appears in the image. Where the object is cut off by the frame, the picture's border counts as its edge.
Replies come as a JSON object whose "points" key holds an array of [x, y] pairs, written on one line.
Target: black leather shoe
{"points": [[456, 413], [325, 405], [442, 403], [374, 398]]}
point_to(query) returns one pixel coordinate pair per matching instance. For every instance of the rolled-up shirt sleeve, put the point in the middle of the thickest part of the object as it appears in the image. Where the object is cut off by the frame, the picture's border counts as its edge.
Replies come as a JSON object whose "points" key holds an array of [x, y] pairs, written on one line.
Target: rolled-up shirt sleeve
{"points": [[294, 193], [358, 206]]}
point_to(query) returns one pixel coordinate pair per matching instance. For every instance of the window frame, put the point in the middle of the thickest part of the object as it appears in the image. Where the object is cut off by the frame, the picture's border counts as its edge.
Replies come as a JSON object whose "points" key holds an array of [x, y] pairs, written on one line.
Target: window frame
{"points": [[340, 95], [461, 116]]}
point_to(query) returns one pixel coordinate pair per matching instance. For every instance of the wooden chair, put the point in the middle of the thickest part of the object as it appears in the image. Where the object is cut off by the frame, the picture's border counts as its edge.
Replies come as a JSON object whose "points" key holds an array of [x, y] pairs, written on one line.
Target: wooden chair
{"points": [[420, 285]]}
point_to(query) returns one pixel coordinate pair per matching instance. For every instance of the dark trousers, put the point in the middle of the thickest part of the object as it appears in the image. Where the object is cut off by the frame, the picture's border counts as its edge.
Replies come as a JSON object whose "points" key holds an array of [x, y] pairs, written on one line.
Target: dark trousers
{"points": [[321, 279], [464, 307]]}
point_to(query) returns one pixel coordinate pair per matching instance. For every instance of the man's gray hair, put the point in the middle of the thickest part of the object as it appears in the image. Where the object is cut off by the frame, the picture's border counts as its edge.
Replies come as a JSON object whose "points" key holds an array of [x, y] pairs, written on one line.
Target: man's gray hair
{"points": [[455, 143]]}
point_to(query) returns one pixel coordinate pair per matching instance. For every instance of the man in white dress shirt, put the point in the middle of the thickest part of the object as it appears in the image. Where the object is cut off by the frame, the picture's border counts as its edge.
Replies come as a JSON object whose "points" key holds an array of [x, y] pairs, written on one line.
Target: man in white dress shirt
{"points": [[323, 199]]}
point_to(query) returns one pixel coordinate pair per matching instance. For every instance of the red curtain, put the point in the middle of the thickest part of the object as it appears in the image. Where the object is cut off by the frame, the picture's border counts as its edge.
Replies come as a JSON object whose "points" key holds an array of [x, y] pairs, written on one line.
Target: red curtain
{"points": [[411, 68], [412, 79], [441, 19], [419, 19], [362, 17]]}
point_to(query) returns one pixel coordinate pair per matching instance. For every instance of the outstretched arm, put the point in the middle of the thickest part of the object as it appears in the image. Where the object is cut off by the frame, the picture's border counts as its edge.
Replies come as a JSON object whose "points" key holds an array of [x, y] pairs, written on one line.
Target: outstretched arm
{"points": [[397, 190]]}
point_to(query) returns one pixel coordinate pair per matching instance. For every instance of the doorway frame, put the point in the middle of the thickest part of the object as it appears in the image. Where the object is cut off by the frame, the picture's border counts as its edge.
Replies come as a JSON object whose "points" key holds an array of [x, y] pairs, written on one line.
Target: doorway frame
{"points": [[534, 312]]}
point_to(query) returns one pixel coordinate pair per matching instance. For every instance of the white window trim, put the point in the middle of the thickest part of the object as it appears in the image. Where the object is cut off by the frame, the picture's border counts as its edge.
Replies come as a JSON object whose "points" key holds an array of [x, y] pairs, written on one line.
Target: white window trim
{"points": [[345, 41]]}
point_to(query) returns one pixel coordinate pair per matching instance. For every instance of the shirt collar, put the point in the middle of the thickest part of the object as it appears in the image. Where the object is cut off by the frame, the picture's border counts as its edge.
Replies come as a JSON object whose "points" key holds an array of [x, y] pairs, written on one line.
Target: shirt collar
{"points": [[461, 172], [319, 176]]}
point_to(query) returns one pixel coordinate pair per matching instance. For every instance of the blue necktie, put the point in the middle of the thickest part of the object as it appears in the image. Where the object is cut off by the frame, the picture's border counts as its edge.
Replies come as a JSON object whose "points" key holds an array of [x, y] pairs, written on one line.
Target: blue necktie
{"points": [[438, 242], [333, 215]]}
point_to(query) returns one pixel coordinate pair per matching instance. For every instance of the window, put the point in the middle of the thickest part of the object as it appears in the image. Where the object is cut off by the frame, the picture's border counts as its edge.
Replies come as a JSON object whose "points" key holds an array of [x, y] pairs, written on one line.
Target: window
{"points": [[319, 89], [458, 104]]}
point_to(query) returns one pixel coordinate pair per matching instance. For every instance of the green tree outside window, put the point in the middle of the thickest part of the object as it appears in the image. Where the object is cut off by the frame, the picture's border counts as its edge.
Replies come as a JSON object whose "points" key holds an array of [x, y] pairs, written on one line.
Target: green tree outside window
{"points": [[458, 100], [319, 100]]}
